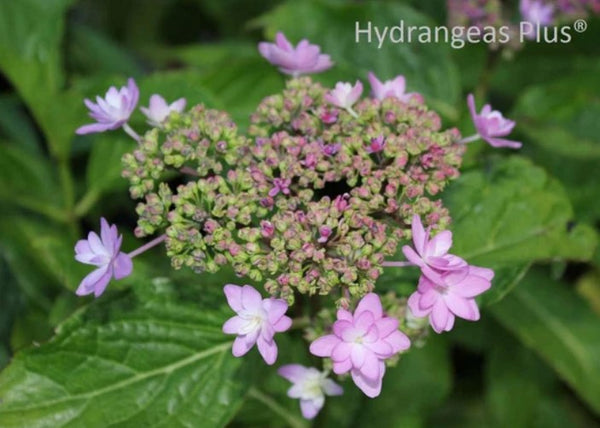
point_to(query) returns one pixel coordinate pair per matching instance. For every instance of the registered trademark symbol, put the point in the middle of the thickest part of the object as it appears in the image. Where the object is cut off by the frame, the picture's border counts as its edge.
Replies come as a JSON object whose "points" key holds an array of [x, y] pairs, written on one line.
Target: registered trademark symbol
{"points": [[580, 25]]}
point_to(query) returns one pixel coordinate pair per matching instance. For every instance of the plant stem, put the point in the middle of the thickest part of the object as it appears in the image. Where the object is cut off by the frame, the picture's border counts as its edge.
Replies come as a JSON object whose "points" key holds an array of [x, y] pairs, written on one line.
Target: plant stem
{"points": [[85, 203], [147, 246], [131, 132], [293, 421], [396, 264], [68, 190], [484, 80], [470, 139]]}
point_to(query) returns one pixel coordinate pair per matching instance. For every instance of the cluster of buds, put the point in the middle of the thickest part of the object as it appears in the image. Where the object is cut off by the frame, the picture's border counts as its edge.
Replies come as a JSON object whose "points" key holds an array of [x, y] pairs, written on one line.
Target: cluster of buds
{"points": [[323, 188]]}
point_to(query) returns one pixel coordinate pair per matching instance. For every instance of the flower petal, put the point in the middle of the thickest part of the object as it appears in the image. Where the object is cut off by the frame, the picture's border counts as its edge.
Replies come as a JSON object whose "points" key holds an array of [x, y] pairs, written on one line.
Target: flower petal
{"points": [[234, 325], [233, 293], [268, 350], [292, 372], [251, 298], [370, 303], [241, 346], [323, 346]]}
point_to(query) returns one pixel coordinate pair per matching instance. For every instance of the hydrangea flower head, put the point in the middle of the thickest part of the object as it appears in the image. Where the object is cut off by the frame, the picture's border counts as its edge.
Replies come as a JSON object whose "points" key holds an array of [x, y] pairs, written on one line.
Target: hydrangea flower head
{"points": [[431, 255], [361, 342], [112, 111], [158, 109], [310, 386], [256, 322], [102, 251], [490, 125], [302, 59], [452, 295], [390, 88], [344, 95], [536, 12]]}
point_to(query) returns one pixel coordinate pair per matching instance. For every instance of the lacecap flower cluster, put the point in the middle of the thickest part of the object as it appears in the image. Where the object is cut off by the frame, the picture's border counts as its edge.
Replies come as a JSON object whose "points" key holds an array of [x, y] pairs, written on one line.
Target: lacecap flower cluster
{"points": [[323, 189]]}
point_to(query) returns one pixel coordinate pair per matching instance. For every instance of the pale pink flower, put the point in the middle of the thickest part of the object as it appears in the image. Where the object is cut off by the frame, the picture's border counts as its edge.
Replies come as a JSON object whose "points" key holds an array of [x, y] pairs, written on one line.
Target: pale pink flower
{"points": [[490, 125], [256, 322], [391, 88], [112, 111], [324, 234], [344, 95], [377, 145], [361, 342], [103, 251], [536, 12], [158, 110], [452, 295], [310, 386], [280, 185], [302, 59]]}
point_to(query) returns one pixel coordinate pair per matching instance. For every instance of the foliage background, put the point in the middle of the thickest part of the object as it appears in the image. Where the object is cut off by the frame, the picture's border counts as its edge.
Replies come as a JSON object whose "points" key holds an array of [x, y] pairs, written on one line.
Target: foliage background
{"points": [[150, 351]]}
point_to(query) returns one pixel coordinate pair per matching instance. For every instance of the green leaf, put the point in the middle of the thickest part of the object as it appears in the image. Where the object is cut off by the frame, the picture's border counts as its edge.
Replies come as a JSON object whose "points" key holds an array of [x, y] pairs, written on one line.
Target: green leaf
{"points": [[41, 255], [550, 319], [154, 356], [27, 180], [513, 213], [104, 165], [16, 126], [522, 391], [30, 38], [426, 66], [560, 121]]}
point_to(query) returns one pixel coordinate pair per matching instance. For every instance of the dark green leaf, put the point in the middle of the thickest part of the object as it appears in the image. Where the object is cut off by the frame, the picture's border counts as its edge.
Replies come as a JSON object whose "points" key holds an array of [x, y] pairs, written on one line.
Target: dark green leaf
{"points": [[550, 319], [154, 356]]}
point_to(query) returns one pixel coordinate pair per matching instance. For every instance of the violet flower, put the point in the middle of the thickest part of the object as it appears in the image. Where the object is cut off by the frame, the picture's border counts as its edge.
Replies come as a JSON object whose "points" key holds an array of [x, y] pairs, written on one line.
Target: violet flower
{"points": [[280, 185], [344, 95], [104, 252], [490, 125], [536, 12], [431, 255], [360, 344], [330, 149], [310, 386], [112, 111], [453, 295], [256, 322], [324, 234], [390, 88], [158, 109], [302, 59]]}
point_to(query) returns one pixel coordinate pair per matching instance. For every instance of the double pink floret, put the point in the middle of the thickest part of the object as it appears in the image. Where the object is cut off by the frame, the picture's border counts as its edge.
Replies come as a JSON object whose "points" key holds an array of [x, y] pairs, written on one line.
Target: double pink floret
{"points": [[256, 322], [491, 125], [448, 285], [303, 59], [344, 95], [361, 342], [391, 88]]}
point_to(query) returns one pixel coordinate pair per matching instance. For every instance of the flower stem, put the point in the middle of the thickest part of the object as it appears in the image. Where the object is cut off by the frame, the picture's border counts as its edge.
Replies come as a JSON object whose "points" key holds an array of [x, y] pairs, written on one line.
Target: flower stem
{"points": [[292, 421], [352, 112], [397, 264], [88, 200], [470, 139], [147, 246], [131, 132], [189, 171]]}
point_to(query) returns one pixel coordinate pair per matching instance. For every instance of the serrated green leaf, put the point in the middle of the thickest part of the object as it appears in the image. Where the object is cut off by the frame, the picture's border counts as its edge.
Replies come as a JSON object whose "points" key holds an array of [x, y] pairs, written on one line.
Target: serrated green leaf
{"points": [[550, 319], [152, 357], [514, 213]]}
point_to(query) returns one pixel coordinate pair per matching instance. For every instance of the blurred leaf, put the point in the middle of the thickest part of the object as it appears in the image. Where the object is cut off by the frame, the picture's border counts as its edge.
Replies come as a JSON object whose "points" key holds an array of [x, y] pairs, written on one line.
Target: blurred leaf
{"points": [[104, 165], [241, 84], [522, 391], [560, 327], [588, 286], [427, 66], [93, 52], [411, 390], [154, 356], [513, 213], [560, 120], [27, 180], [16, 125], [30, 37]]}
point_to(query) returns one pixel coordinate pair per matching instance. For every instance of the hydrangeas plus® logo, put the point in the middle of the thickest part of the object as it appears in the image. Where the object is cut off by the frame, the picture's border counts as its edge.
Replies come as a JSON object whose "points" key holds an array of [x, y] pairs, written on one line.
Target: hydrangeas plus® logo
{"points": [[314, 200]]}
